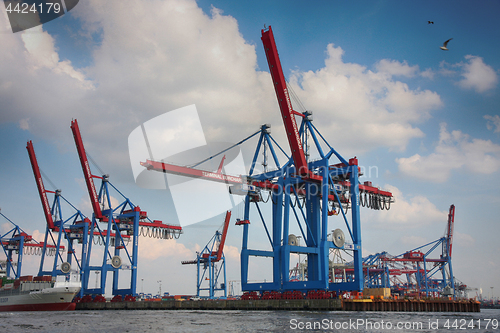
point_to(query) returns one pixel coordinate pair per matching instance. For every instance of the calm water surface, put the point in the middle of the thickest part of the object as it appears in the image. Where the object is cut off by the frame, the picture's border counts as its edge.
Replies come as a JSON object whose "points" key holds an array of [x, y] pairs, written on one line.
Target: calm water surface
{"points": [[247, 321]]}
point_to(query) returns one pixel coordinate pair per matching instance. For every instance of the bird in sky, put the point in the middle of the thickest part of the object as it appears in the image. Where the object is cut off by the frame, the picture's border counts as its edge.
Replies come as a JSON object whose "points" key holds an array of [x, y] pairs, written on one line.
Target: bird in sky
{"points": [[444, 48], [430, 22]]}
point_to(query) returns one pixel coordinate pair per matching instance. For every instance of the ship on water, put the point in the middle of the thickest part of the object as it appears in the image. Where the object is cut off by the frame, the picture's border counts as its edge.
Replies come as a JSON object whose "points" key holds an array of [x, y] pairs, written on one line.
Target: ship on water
{"points": [[40, 293]]}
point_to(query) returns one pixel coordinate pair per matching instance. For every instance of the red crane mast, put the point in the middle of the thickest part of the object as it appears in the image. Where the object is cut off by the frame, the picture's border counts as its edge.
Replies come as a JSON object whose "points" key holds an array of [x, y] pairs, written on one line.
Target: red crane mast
{"points": [[287, 112], [41, 188], [224, 234], [451, 224], [211, 263], [86, 170]]}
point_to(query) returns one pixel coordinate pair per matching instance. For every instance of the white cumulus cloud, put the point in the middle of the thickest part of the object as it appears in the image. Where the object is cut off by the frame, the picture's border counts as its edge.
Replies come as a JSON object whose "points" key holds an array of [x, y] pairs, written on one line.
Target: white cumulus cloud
{"points": [[455, 150], [407, 212], [493, 123], [153, 248], [463, 240], [477, 75], [395, 68], [414, 241], [24, 124], [348, 99], [148, 62]]}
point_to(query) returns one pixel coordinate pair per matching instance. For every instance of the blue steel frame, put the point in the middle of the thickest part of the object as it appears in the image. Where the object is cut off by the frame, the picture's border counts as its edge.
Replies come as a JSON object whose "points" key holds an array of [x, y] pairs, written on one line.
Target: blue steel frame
{"points": [[376, 273], [313, 213], [423, 279], [124, 218], [426, 282], [75, 228], [15, 245], [214, 268]]}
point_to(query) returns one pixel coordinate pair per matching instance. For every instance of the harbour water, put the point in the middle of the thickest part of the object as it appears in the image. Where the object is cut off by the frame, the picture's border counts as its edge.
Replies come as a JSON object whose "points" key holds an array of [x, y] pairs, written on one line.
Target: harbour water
{"points": [[122, 321]]}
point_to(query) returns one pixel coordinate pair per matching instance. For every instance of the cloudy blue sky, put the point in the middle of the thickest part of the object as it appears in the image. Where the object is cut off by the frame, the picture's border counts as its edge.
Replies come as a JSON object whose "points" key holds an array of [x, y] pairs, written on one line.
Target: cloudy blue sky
{"points": [[426, 121]]}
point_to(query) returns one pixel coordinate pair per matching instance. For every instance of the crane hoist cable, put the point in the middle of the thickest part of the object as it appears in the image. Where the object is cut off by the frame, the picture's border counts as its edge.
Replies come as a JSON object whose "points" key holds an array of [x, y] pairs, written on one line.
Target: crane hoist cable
{"points": [[294, 96], [223, 151], [268, 196], [240, 211], [94, 163], [48, 179]]}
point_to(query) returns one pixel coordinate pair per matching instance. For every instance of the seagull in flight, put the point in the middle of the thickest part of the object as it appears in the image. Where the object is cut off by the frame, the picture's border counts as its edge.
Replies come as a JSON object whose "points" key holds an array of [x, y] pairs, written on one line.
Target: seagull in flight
{"points": [[444, 48]]}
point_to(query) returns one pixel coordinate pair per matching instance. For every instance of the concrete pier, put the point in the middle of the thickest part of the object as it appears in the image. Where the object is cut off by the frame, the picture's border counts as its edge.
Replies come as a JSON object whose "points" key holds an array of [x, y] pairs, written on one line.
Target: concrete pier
{"points": [[298, 304], [404, 305]]}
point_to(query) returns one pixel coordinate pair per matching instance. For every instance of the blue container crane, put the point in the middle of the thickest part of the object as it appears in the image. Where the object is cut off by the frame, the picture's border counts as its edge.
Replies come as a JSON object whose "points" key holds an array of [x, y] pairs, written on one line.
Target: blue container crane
{"points": [[126, 220], [417, 272], [308, 192], [16, 243], [75, 229], [211, 263]]}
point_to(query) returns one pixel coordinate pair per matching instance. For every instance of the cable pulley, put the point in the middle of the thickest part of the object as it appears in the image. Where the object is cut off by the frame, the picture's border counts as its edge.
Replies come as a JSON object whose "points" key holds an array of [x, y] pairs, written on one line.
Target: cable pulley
{"points": [[158, 233], [375, 201], [116, 262], [338, 238]]}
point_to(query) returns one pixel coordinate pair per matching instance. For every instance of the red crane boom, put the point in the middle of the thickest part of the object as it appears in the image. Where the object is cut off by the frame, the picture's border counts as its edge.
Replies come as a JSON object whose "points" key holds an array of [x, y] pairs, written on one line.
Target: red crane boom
{"points": [[287, 112], [194, 173], [94, 199], [86, 169], [40, 186], [207, 253], [224, 234]]}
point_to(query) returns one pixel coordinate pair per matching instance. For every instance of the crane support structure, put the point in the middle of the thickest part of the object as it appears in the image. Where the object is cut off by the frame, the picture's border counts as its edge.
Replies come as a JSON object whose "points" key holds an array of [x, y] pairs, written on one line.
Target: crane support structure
{"points": [[304, 195], [74, 229], [15, 243], [126, 219], [211, 263], [309, 193]]}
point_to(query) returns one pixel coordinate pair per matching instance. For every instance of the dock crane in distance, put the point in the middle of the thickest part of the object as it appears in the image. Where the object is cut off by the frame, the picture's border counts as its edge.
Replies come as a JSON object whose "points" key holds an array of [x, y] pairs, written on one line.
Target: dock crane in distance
{"points": [[15, 243], [415, 272], [74, 229], [128, 222], [212, 258]]}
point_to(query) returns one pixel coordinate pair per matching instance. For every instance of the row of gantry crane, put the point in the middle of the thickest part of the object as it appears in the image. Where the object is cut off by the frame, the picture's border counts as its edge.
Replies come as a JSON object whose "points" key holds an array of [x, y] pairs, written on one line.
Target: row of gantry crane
{"points": [[309, 197], [111, 235]]}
